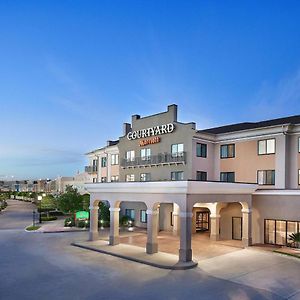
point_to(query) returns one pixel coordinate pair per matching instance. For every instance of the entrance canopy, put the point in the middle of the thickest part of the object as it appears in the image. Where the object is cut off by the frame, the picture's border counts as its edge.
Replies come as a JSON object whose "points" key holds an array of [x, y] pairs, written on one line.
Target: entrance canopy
{"points": [[184, 193]]}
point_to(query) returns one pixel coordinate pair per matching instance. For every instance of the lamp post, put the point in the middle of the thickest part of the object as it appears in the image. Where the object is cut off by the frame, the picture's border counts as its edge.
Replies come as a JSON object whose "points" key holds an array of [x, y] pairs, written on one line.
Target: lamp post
{"points": [[33, 218], [40, 207]]}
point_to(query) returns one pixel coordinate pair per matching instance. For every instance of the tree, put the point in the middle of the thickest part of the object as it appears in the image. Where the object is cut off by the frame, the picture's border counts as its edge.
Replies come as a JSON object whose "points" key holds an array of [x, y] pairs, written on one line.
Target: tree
{"points": [[295, 238], [104, 213], [71, 201], [48, 203]]}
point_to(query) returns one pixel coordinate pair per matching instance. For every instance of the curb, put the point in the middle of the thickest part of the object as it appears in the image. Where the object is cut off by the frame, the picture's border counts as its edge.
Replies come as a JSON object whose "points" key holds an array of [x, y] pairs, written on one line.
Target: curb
{"points": [[178, 266]]}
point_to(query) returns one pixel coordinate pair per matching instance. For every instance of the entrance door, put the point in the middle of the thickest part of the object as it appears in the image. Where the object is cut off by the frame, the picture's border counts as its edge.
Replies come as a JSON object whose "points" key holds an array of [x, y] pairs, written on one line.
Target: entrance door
{"points": [[236, 228], [202, 221]]}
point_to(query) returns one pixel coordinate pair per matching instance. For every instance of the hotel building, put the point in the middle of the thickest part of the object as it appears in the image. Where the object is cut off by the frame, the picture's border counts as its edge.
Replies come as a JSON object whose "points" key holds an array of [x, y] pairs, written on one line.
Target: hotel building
{"points": [[236, 182]]}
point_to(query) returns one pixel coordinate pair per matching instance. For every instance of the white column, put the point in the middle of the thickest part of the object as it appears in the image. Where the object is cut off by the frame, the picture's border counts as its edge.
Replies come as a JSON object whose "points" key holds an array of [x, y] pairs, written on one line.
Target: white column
{"points": [[108, 167], [176, 220], [98, 168], [93, 234], [214, 227], [185, 251], [114, 238], [247, 227], [152, 229]]}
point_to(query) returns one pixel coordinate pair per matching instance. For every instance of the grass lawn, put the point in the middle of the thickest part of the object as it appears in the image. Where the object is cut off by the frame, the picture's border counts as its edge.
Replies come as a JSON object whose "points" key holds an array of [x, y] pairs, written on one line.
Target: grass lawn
{"points": [[32, 228]]}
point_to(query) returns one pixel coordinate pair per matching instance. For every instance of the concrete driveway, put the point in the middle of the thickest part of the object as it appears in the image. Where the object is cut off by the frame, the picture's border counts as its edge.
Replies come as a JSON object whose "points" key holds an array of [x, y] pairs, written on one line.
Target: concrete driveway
{"points": [[45, 266]]}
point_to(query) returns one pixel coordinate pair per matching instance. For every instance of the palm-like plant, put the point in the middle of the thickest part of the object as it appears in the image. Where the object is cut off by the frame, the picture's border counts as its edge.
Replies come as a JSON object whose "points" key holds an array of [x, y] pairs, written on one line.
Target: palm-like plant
{"points": [[295, 238]]}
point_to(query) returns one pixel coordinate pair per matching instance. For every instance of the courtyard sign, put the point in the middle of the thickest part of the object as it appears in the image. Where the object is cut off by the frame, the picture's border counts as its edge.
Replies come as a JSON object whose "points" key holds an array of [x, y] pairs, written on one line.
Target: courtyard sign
{"points": [[82, 215], [151, 131]]}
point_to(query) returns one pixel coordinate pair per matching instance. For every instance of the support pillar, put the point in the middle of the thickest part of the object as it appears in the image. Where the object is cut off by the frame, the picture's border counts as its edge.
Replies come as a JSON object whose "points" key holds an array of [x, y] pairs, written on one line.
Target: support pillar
{"points": [[93, 234], [247, 227], [185, 251], [176, 220], [114, 238], [214, 227], [152, 230]]}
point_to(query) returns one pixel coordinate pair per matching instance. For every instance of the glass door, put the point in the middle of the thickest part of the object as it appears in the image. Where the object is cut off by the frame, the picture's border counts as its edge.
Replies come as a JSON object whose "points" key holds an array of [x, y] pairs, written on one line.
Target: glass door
{"points": [[202, 221], [236, 228]]}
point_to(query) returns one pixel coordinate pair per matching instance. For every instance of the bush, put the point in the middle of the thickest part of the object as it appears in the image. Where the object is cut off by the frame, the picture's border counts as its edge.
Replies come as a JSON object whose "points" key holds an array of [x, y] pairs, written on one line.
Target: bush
{"points": [[32, 228], [50, 218], [83, 224], [69, 222], [125, 221]]}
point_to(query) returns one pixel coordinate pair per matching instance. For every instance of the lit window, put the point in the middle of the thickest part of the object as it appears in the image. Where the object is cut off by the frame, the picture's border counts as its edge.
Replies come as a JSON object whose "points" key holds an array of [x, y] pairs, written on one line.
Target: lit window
{"points": [[114, 178], [201, 150], [266, 147], [129, 177], [130, 155], [177, 150], [266, 177], [130, 213], [115, 159], [177, 175], [227, 151], [143, 216], [145, 176], [103, 179], [145, 154]]}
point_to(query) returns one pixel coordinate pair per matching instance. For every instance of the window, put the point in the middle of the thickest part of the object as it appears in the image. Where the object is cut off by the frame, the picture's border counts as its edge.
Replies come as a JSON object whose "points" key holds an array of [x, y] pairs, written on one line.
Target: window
{"points": [[129, 177], [227, 151], [130, 155], [227, 177], [299, 144], [201, 150], [266, 177], [145, 154], [130, 213], [94, 180], [177, 150], [114, 178], [277, 232], [145, 177], [266, 147], [201, 176], [103, 179], [143, 216], [298, 177], [114, 159], [178, 175], [171, 219], [94, 162], [103, 162]]}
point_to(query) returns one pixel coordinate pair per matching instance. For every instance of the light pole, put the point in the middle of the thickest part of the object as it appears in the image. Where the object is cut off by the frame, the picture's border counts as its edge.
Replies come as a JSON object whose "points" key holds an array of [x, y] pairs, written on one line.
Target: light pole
{"points": [[40, 207]]}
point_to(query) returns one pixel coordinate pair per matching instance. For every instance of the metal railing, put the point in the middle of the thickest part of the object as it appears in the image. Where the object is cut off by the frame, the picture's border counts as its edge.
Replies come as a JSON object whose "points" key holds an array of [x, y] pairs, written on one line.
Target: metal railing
{"points": [[91, 169], [162, 158]]}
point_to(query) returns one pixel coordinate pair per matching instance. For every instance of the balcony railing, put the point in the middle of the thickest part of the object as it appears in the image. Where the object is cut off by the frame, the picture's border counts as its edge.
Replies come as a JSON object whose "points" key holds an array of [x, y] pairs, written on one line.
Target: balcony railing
{"points": [[160, 159], [91, 169]]}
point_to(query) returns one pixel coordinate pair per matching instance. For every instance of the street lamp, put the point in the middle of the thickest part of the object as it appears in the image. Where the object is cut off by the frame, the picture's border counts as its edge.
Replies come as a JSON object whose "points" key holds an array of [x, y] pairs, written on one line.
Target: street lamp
{"points": [[33, 218], [40, 207]]}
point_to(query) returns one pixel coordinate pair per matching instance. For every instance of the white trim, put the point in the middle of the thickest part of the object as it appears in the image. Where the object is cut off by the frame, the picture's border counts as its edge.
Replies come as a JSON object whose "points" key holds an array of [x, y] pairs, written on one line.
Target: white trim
{"points": [[213, 215], [93, 207], [277, 193], [113, 209], [152, 212], [246, 210]]}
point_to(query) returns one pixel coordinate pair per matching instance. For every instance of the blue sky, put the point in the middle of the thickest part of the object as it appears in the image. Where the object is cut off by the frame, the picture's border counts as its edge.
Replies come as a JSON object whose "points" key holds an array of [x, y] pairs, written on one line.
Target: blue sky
{"points": [[71, 72]]}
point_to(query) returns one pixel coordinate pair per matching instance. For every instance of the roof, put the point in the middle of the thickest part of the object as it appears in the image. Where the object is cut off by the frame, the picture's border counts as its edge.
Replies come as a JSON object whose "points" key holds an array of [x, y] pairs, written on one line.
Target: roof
{"points": [[252, 125]]}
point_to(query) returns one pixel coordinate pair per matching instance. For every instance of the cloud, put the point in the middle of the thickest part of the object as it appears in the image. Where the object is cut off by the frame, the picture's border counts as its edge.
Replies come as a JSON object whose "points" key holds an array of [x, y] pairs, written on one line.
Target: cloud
{"points": [[278, 99]]}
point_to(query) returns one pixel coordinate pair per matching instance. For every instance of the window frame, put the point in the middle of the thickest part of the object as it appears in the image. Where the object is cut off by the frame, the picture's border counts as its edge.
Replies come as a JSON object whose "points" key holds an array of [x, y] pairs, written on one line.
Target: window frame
{"points": [[203, 147], [202, 172], [116, 178], [177, 153], [147, 180], [103, 162], [132, 155], [147, 155], [265, 177], [176, 173], [130, 209], [130, 176], [114, 159], [266, 146], [141, 214], [227, 173], [227, 147]]}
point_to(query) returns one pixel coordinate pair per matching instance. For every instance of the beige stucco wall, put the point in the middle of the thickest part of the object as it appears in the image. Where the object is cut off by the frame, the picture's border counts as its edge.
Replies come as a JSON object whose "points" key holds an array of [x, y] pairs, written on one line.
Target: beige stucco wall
{"points": [[165, 216], [226, 213], [272, 207], [247, 162]]}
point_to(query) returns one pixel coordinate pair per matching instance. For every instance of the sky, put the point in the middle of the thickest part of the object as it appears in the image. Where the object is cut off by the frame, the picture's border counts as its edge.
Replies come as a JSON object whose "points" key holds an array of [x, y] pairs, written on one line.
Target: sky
{"points": [[71, 72]]}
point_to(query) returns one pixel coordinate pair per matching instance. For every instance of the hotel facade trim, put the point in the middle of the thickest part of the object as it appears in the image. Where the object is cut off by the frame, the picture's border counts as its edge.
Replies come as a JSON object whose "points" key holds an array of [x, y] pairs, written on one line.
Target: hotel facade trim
{"points": [[235, 182]]}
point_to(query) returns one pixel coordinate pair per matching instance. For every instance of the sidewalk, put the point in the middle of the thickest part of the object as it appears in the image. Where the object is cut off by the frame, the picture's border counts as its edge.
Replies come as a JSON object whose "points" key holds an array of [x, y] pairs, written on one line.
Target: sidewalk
{"points": [[137, 254], [57, 226]]}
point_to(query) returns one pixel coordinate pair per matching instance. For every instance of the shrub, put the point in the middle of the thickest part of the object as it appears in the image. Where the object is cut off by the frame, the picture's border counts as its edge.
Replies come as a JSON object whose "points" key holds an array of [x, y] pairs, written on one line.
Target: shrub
{"points": [[295, 238], [125, 221], [69, 222], [32, 228], [83, 224]]}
